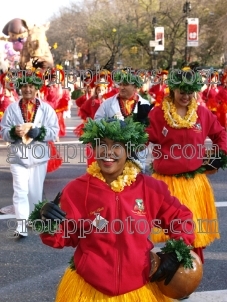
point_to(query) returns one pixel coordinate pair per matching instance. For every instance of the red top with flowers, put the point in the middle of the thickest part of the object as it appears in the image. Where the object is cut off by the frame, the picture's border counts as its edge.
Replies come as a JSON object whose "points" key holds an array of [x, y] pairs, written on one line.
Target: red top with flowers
{"points": [[89, 107], [158, 92], [28, 109], [128, 106]]}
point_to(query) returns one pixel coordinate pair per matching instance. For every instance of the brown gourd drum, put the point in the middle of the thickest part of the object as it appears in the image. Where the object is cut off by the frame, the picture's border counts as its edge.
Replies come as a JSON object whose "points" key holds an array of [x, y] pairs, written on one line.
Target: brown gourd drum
{"points": [[184, 282]]}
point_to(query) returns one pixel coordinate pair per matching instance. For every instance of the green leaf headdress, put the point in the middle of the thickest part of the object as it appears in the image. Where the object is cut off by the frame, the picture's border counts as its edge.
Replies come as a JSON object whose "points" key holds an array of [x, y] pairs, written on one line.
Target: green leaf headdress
{"points": [[116, 130], [126, 77], [29, 79], [185, 79]]}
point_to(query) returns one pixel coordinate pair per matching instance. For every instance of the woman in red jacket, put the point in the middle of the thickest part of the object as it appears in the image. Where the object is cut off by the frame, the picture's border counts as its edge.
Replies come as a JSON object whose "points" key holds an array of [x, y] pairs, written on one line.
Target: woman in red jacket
{"points": [[209, 95], [90, 106], [222, 99], [178, 129], [109, 213], [53, 93]]}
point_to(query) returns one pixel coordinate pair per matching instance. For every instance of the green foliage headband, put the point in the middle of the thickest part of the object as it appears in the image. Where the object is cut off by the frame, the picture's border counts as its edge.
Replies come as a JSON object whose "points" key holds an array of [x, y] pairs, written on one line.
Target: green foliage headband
{"points": [[125, 77], [33, 80], [186, 80], [116, 130]]}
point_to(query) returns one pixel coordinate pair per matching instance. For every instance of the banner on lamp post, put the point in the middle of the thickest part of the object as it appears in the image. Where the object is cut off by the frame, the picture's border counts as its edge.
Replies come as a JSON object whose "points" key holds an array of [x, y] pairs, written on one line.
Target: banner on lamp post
{"points": [[192, 32], [159, 38]]}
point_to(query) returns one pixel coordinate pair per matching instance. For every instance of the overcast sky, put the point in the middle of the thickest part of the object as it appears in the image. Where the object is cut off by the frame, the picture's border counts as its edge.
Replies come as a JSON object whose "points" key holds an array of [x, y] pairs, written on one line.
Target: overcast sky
{"points": [[33, 11]]}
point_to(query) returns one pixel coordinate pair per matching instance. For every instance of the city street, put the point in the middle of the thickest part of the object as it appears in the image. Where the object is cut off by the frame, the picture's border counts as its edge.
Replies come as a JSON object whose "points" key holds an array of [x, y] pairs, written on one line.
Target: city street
{"points": [[30, 271]]}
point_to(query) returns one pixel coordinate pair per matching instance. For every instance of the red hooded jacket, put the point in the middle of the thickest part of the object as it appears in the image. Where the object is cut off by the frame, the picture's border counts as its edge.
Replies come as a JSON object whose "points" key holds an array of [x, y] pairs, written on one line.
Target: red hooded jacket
{"points": [[115, 260]]}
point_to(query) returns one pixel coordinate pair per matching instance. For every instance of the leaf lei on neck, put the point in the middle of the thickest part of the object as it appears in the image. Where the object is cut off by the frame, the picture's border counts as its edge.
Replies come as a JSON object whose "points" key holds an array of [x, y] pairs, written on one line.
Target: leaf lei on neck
{"points": [[174, 120], [127, 177]]}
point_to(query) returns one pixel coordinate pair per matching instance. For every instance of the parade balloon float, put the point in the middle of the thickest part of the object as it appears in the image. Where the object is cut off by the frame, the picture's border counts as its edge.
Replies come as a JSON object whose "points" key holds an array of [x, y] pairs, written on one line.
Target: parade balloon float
{"points": [[31, 42], [4, 63], [17, 32], [11, 55]]}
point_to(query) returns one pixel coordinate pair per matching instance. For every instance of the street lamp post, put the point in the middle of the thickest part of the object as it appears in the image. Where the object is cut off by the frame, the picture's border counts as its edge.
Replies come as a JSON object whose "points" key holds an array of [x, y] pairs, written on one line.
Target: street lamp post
{"points": [[66, 64], [154, 22], [186, 10]]}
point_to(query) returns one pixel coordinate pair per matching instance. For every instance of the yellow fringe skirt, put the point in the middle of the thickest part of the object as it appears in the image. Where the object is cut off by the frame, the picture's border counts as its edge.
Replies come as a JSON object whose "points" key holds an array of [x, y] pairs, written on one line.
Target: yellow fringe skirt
{"points": [[73, 288], [197, 194]]}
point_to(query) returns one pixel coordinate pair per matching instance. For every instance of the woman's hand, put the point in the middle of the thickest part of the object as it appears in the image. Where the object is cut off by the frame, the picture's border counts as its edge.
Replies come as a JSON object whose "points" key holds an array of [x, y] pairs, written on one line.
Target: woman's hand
{"points": [[52, 211], [19, 131], [167, 268]]}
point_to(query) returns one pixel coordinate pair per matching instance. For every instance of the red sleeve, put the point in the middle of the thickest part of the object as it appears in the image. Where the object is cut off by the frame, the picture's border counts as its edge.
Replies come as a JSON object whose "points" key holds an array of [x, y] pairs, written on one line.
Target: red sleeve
{"points": [[168, 213], [79, 102], [153, 129], [43, 89], [222, 95], [110, 93], [66, 94], [5, 103], [63, 236], [63, 102], [1, 103], [216, 132], [204, 94], [152, 91], [85, 109], [69, 231]]}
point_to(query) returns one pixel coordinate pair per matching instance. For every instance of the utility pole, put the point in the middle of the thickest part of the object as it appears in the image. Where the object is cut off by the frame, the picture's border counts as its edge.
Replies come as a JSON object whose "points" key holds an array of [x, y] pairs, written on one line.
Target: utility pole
{"points": [[186, 10]]}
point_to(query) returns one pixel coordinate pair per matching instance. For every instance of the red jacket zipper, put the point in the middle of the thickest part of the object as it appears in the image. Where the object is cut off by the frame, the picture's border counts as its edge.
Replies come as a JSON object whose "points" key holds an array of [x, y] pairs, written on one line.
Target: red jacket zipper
{"points": [[118, 247]]}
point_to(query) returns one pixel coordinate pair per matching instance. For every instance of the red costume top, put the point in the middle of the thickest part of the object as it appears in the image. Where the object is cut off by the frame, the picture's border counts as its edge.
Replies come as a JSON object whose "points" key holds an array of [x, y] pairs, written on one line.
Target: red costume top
{"points": [[104, 257], [209, 95], [8, 94], [6, 98], [158, 92], [5, 101], [222, 108], [82, 99], [182, 150], [199, 98], [58, 99], [89, 108]]}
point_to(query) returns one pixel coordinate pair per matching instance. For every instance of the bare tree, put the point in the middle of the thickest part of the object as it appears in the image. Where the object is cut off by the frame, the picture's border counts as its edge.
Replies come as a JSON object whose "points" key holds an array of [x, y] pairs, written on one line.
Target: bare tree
{"points": [[117, 32]]}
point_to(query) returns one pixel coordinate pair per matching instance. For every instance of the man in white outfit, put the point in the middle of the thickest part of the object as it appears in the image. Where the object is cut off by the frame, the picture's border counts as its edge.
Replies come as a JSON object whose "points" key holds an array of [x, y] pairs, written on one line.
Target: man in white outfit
{"points": [[127, 103], [28, 125]]}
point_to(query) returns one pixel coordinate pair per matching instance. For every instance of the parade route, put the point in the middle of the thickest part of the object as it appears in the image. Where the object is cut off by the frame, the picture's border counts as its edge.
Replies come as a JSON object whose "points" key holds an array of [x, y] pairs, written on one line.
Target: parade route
{"points": [[113, 151], [30, 271]]}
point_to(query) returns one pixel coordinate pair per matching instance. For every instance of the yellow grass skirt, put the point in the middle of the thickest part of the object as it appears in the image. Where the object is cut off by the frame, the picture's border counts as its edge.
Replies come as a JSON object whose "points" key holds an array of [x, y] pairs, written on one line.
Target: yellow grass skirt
{"points": [[73, 288], [197, 194]]}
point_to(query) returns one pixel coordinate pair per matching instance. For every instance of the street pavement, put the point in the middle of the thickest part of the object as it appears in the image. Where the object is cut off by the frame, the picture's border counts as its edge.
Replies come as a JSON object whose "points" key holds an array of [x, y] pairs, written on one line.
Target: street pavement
{"points": [[30, 271]]}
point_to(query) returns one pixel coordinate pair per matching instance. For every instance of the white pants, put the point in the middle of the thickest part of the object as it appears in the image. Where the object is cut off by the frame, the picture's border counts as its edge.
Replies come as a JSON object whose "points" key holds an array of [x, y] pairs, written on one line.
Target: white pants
{"points": [[28, 188]]}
